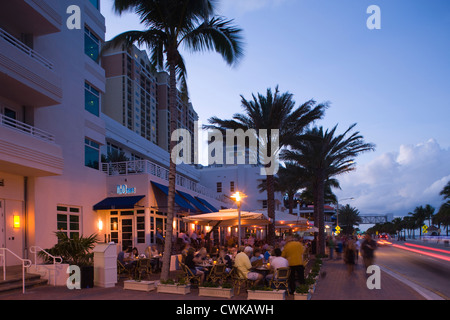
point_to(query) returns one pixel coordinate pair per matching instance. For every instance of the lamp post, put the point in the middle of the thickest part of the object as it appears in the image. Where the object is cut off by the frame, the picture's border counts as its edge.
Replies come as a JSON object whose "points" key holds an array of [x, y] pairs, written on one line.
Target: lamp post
{"points": [[337, 208], [238, 196]]}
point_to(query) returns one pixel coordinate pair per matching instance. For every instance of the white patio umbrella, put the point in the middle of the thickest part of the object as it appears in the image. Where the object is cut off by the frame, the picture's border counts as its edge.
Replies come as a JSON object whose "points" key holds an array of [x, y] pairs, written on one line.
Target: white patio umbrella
{"points": [[228, 218]]}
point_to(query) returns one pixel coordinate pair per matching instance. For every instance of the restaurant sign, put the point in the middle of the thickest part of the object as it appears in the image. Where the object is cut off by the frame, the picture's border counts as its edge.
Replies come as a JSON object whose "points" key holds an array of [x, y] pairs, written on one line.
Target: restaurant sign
{"points": [[123, 189]]}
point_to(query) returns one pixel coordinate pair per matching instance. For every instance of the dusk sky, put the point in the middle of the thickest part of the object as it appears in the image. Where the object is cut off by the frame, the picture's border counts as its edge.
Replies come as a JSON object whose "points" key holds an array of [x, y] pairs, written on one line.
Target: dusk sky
{"points": [[392, 82]]}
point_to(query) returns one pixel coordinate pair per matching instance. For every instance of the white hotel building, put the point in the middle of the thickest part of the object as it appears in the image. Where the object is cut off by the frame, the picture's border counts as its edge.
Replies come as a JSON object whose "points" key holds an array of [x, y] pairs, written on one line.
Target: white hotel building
{"points": [[53, 132]]}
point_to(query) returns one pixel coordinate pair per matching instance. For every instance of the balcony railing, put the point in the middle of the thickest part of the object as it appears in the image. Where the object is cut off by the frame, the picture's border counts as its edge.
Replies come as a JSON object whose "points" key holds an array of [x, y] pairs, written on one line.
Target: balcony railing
{"points": [[145, 166], [25, 49], [25, 128]]}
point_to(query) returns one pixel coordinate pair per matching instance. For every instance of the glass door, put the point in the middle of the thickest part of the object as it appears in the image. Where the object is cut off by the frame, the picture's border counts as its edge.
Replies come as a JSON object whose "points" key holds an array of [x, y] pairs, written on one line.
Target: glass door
{"points": [[127, 233], [122, 231]]}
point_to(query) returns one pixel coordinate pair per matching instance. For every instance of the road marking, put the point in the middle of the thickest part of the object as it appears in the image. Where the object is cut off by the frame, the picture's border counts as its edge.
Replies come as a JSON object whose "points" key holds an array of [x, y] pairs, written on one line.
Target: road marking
{"points": [[424, 292]]}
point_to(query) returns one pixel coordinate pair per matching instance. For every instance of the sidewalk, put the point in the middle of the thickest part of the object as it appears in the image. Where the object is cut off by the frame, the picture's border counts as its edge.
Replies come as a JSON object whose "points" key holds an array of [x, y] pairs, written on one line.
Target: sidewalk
{"points": [[339, 285]]}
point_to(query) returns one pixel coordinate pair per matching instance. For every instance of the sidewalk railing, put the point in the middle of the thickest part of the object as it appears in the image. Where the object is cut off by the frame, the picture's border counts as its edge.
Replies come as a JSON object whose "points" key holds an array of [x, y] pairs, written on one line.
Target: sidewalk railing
{"points": [[26, 263]]}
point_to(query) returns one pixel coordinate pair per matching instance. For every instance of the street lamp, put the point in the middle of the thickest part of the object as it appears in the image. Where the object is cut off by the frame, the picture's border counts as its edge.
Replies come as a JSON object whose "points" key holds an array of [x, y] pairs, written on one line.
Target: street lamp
{"points": [[238, 196], [337, 208]]}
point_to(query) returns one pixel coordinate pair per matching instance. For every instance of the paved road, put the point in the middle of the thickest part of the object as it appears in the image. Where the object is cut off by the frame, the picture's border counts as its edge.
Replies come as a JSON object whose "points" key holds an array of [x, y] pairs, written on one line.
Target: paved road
{"points": [[426, 271]]}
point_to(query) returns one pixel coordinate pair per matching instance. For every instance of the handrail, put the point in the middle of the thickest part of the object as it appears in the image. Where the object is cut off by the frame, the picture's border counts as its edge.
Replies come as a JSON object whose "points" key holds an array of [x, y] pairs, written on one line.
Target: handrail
{"points": [[25, 49], [37, 249], [26, 263], [26, 128]]}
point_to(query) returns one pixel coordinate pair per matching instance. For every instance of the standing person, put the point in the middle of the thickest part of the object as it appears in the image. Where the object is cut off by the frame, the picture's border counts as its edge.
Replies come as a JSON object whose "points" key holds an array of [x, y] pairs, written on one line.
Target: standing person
{"points": [[160, 240], [367, 250], [358, 248], [293, 252], [349, 255], [331, 246]]}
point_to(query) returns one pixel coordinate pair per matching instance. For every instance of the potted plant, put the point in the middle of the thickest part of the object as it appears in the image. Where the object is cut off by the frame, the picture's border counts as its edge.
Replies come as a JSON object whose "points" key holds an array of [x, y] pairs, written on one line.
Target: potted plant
{"points": [[76, 251], [311, 283], [302, 292], [212, 289], [174, 287], [265, 293]]}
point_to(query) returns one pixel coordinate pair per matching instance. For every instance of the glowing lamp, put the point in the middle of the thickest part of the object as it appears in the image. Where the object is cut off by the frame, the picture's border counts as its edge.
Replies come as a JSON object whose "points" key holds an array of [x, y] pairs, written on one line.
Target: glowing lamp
{"points": [[100, 225], [16, 222]]}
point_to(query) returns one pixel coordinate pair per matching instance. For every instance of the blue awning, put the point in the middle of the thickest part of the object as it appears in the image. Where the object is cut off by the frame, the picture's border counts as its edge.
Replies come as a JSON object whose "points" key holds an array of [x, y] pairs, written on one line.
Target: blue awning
{"points": [[207, 204], [195, 202], [118, 203], [178, 199]]}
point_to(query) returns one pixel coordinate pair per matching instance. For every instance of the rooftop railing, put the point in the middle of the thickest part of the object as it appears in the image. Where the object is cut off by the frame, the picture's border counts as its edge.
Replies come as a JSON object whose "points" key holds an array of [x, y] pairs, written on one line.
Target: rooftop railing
{"points": [[148, 167]]}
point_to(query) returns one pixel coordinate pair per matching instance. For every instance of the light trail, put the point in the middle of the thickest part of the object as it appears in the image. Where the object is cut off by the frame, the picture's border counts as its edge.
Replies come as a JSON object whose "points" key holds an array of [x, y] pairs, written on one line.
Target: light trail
{"points": [[427, 248], [434, 255]]}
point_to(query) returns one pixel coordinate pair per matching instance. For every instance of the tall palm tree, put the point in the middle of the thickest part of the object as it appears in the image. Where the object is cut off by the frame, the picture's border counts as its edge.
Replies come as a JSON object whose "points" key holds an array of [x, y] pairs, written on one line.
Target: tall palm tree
{"points": [[446, 192], [276, 113], [325, 154], [171, 25], [349, 217]]}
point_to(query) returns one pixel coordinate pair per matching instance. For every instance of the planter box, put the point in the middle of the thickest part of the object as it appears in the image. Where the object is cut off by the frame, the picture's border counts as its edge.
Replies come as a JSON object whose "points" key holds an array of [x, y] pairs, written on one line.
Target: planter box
{"points": [[266, 295], [146, 286], [301, 296], [173, 289], [227, 293]]}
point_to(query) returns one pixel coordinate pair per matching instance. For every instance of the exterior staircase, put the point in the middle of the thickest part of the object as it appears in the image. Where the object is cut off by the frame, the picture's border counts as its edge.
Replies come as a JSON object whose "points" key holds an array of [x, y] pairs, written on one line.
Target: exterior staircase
{"points": [[13, 280]]}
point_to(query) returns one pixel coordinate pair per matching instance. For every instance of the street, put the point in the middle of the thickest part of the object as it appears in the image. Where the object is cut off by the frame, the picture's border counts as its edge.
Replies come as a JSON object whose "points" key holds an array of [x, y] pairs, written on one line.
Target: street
{"points": [[425, 265]]}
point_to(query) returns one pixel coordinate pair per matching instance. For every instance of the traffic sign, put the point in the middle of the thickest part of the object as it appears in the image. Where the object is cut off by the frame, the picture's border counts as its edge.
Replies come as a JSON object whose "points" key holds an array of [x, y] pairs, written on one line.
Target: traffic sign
{"points": [[338, 228], [425, 229]]}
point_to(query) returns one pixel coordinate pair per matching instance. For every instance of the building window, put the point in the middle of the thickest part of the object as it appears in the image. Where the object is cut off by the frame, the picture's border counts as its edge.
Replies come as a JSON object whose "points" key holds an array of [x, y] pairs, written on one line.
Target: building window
{"points": [[91, 99], [95, 3], [264, 204], [68, 220], [219, 187], [91, 45], [91, 154], [140, 227], [231, 186]]}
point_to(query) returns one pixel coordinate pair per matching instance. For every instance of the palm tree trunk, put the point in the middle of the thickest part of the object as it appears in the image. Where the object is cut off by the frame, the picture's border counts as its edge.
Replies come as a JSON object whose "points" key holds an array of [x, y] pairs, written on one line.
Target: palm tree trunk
{"points": [[291, 203], [271, 208], [172, 174], [320, 213]]}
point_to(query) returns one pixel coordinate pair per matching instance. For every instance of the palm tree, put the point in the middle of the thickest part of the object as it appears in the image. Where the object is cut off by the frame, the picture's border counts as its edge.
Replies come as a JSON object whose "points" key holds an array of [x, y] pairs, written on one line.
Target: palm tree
{"points": [[420, 214], [349, 217], [446, 192], [289, 180], [324, 154], [170, 25], [276, 113]]}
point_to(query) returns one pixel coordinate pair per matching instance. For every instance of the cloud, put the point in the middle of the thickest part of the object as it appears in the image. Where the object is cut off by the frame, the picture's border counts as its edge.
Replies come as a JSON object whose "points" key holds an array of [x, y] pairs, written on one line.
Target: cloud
{"points": [[397, 182]]}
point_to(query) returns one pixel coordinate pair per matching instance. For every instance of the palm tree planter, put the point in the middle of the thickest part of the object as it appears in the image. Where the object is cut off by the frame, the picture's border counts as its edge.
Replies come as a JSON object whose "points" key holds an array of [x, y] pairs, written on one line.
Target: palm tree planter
{"points": [[266, 293], [213, 290], [171, 287], [146, 286]]}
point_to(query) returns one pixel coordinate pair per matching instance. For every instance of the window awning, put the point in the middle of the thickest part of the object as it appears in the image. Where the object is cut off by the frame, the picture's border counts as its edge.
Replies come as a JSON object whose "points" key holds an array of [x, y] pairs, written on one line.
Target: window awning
{"points": [[207, 204], [118, 203], [195, 202], [178, 199]]}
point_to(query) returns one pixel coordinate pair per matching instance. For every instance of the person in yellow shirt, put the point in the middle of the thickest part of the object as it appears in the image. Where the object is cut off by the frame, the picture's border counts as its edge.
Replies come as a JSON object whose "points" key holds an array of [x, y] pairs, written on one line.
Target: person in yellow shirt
{"points": [[244, 266], [293, 251]]}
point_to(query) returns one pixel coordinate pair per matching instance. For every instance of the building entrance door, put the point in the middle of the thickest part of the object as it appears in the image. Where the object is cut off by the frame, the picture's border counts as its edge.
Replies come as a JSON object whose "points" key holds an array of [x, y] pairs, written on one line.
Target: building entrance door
{"points": [[121, 231]]}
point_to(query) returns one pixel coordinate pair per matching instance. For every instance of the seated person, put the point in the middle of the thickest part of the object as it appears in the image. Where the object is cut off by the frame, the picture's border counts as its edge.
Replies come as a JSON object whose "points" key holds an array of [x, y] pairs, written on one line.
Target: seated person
{"points": [[243, 265], [126, 258], [277, 262], [201, 255], [190, 263], [225, 259], [268, 253], [257, 259]]}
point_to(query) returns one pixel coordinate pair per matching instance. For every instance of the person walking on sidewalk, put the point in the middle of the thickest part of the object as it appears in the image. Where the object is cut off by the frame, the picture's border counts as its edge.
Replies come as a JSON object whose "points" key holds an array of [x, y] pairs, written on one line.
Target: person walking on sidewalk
{"points": [[349, 255], [331, 245], [367, 250], [293, 252]]}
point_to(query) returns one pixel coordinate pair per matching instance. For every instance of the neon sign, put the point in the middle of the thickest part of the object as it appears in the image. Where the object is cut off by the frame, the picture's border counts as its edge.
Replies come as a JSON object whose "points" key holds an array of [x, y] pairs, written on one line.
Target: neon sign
{"points": [[123, 189]]}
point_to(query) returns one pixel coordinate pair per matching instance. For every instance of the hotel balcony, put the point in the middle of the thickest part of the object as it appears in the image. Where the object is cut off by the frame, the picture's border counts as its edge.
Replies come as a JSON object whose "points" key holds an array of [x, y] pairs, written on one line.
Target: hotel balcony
{"points": [[27, 77], [28, 151], [37, 17]]}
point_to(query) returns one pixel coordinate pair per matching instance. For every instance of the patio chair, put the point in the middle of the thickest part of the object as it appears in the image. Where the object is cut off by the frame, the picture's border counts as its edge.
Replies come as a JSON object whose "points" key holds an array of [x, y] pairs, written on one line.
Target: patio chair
{"points": [[144, 267], [189, 275], [122, 269], [237, 279], [281, 278], [217, 273]]}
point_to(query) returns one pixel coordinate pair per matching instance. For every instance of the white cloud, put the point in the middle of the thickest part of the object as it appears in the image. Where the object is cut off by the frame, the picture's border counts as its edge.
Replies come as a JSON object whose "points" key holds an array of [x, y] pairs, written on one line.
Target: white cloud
{"points": [[397, 182]]}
